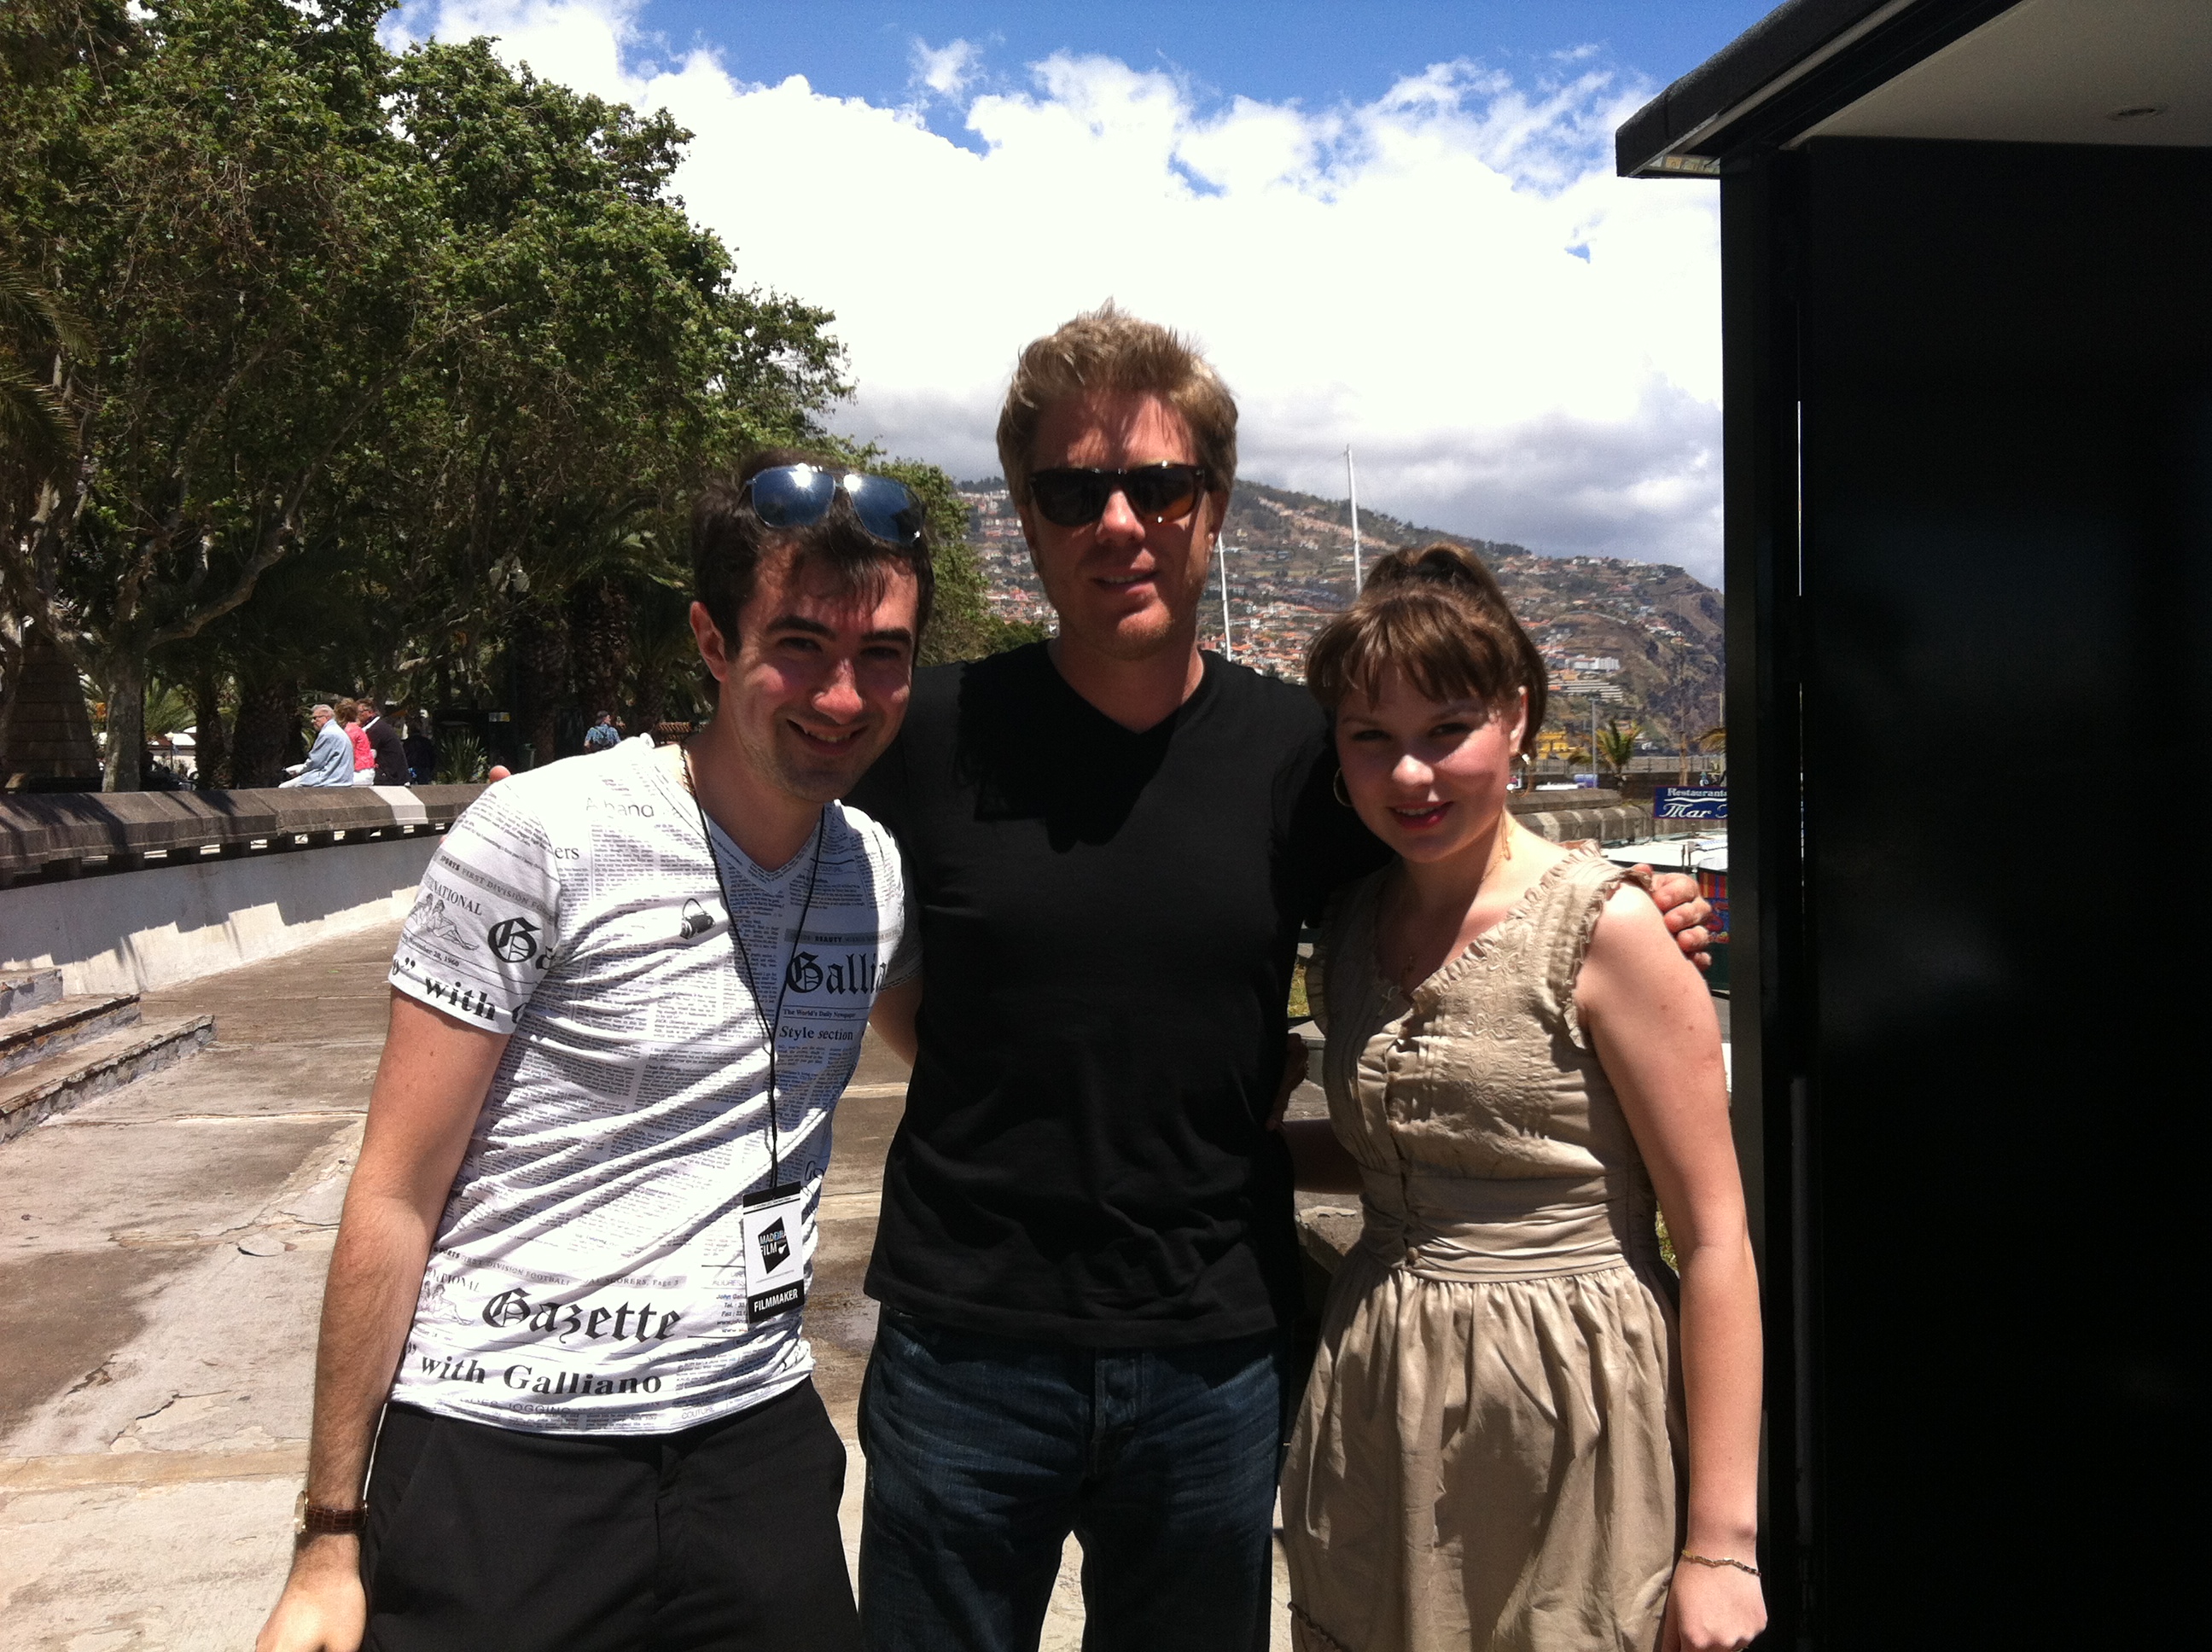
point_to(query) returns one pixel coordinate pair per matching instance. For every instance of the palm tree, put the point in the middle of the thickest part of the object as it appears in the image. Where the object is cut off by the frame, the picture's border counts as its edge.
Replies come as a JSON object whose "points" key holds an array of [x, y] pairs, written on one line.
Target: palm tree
{"points": [[34, 329], [1715, 740], [168, 710], [1616, 744]]}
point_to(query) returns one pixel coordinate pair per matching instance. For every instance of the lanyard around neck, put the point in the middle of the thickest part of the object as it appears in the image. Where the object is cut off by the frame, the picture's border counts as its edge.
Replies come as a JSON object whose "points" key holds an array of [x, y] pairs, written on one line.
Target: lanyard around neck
{"points": [[741, 960]]}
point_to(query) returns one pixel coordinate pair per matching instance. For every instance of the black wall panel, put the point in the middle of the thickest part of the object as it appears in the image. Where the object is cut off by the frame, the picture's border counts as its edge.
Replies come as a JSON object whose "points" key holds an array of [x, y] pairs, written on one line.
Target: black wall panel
{"points": [[2004, 358]]}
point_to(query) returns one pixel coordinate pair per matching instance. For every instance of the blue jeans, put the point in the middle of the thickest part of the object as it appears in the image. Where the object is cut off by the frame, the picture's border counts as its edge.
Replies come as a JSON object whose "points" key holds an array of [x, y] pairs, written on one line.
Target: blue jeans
{"points": [[984, 1453]]}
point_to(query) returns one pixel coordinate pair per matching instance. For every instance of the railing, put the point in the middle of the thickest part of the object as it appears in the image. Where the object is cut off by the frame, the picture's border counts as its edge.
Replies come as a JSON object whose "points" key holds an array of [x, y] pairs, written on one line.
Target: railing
{"points": [[1586, 812], [63, 835], [56, 835], [1700, 763]]}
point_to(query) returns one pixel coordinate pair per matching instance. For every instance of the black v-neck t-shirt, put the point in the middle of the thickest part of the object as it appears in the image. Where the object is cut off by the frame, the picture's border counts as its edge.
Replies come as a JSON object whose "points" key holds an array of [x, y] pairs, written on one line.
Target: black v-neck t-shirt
{"points": [[1109, 922]]}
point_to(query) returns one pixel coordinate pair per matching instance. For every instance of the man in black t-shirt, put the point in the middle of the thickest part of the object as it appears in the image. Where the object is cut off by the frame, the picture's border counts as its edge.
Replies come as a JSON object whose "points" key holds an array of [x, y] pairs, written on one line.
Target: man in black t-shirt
{"points": [[382, 727], [421, 749], [1086, 1257]]}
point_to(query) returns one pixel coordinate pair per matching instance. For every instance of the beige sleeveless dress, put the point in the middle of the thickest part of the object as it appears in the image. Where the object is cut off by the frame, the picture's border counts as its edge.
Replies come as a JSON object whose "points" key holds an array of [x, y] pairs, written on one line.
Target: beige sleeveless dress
{"points": [[1490, 1453]]}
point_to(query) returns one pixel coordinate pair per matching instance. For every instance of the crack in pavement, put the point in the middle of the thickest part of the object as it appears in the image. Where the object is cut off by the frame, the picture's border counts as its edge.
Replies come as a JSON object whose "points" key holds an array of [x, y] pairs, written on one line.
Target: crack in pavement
{"points": [[67, 1122], [81, 1470], [98, 1376]]}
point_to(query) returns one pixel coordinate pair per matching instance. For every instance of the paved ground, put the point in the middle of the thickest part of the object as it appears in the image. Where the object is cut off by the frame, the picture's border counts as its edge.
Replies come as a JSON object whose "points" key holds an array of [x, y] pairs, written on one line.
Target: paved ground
{"points": [[162, 1260]]}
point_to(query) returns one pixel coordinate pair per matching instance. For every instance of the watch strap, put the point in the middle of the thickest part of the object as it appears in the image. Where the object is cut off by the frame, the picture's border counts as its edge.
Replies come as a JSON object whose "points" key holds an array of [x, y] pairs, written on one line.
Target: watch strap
{"points": [[316, 1519]]}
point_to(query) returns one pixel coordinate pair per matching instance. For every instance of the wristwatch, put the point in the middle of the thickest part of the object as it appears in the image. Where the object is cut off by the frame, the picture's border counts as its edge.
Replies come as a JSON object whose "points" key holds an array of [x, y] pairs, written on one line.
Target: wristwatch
{"points": [[314, 1520]]}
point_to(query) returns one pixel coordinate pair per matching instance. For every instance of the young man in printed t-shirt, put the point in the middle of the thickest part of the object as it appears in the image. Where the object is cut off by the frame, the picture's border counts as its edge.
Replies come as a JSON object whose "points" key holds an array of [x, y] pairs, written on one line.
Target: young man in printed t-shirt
{"points": [[577, 1242]]}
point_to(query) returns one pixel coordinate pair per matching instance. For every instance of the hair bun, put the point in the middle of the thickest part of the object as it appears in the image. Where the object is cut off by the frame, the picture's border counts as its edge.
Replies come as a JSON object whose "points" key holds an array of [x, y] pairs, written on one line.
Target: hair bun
{"points": [[1442, 563], [1452, 565], [1436, 613]]}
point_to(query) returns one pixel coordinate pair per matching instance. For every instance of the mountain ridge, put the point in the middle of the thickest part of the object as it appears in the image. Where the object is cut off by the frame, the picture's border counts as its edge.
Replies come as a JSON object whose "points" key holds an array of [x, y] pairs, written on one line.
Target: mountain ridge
{"points": [[1647, 640]]}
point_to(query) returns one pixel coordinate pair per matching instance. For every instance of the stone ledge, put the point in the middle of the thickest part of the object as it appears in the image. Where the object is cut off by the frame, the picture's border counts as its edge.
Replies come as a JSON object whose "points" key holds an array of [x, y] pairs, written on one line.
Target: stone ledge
{"points": [[1622, 823], [1568, 798], [55, 829]]}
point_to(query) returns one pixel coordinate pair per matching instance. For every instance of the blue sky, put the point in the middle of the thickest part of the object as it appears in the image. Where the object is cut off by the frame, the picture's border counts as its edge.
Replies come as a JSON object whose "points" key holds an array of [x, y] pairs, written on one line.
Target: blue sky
{"points": [[1395, 226], [1314, 53]]}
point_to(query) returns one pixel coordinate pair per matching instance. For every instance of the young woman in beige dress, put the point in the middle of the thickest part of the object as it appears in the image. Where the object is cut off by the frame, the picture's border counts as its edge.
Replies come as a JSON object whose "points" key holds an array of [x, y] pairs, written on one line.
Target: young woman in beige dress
{"points": [[1514, 1440]]}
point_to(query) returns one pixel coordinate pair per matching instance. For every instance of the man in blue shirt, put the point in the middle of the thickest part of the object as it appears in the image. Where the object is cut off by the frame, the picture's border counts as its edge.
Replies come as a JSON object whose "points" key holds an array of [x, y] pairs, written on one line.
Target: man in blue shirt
{"points": [[330, 760]]}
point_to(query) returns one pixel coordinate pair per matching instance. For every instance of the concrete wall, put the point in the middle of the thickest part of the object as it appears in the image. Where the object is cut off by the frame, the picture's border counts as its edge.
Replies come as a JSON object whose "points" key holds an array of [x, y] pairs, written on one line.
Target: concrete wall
{"points": [[134, 931]]}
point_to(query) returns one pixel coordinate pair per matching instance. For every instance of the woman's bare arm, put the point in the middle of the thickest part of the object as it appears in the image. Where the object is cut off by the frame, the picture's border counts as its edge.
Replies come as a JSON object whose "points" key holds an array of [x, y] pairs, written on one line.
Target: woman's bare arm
{"points": [[1652, 1023], [893, 1017], [430, 1086]]}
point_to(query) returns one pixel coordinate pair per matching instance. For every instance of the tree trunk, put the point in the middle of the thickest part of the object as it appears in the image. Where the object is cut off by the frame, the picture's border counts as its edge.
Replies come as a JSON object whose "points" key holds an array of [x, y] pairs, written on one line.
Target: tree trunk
{"points": [[542, 662], [211, 739], [599, 641], [268, 730], [126, 724], [46, 742], [651, 707]]}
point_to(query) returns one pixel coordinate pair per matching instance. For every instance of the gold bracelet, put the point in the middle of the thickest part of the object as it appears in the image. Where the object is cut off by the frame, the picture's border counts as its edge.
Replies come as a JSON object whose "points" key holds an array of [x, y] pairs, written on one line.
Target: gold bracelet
{"points": [[1722, 1560]]}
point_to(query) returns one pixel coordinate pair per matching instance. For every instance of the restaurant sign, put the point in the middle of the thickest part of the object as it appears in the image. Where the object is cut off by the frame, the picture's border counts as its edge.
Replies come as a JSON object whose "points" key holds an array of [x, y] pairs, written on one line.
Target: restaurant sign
{"points": [[1690, 803]]}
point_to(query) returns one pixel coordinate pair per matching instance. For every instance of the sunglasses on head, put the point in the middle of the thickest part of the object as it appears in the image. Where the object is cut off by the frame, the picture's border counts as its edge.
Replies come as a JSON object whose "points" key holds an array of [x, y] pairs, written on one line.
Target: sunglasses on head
{"points": [[799, 496], [1073, 498]]}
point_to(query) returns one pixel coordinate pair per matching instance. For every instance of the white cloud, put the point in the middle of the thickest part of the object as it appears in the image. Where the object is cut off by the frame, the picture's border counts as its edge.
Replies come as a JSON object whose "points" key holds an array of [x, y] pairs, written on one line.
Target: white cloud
{"points": [[945, 70], [1517, 344]]}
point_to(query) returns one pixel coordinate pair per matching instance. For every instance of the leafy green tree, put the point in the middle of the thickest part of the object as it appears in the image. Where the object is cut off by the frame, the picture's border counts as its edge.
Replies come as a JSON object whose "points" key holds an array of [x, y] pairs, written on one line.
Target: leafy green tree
{"points": [[41, 41], [395, 371], [35, 434], [221, 195], [542, 453]]}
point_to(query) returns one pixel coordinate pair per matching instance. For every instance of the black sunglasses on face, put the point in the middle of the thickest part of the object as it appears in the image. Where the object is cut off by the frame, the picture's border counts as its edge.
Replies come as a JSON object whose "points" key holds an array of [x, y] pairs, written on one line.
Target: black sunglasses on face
{"points": [[1073, 498], [799, 496]]}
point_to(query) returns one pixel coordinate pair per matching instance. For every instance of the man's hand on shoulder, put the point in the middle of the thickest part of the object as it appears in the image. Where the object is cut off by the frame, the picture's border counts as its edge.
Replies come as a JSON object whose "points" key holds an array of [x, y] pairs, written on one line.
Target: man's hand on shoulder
{"points": [[1687, 912], [322, 1608]]}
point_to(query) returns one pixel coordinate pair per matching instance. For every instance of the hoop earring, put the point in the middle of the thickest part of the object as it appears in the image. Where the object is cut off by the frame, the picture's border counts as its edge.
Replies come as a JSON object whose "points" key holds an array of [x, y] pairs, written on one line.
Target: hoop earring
{"points": [[1337, 786]]}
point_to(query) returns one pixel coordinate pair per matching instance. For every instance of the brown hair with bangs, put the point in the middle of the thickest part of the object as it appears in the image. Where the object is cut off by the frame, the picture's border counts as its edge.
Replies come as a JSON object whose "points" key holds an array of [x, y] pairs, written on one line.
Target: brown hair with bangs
{"points": [[1440, 616]]}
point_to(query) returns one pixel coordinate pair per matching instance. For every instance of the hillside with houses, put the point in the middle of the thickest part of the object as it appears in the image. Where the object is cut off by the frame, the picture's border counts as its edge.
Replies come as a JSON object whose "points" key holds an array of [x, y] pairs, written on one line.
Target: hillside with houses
{"points": [[1646, 639]]}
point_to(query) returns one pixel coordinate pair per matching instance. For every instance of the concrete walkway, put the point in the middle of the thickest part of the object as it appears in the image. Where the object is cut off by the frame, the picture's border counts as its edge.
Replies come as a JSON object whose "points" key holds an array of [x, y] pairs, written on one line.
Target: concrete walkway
{"points": [[161, 1258]]}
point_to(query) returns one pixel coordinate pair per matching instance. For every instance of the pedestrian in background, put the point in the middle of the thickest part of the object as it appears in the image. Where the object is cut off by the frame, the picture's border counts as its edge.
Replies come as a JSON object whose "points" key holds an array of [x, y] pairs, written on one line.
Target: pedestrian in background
{"points": [[330, 759], [364, 755], [603, 736], [381, 729], [421, 749]]}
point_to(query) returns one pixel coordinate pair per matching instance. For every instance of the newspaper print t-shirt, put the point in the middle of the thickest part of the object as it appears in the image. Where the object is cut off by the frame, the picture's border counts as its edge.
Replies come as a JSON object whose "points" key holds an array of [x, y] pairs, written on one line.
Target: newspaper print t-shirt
{"points": [[589, 1274]]}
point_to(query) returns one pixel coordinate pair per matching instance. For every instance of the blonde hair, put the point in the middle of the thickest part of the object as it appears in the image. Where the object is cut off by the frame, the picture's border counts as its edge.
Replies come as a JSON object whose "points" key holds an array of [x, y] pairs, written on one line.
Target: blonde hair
{"points": [[1440, 616], [1108, 349]]}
